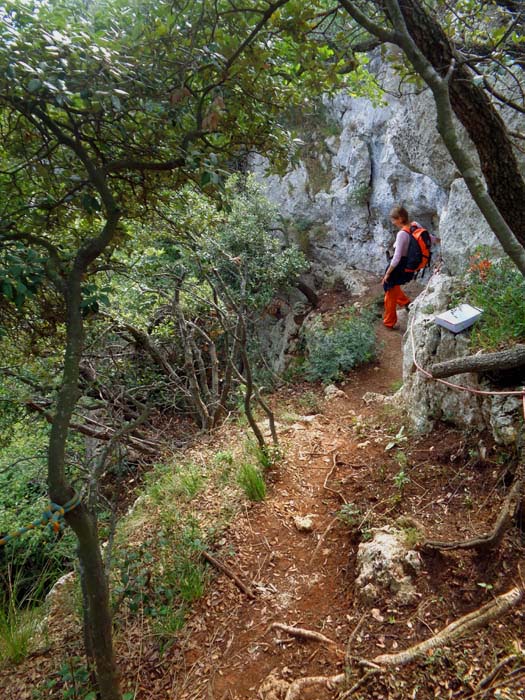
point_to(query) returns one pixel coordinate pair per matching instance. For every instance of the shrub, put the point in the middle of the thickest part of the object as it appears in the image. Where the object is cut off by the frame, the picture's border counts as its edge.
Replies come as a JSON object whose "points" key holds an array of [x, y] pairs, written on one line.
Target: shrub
{"points": [[499, 289], [333, 351]]}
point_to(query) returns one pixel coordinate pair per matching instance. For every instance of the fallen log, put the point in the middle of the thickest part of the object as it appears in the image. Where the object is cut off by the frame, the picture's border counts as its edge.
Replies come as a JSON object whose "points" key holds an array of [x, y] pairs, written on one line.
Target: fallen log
{"points": [[485, 362]]}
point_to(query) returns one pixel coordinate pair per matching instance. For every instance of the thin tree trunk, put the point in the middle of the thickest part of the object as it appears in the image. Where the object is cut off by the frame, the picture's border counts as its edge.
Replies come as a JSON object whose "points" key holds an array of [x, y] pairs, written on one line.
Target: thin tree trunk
{"points": [[474, 109], [427, 48], [60, 490]]}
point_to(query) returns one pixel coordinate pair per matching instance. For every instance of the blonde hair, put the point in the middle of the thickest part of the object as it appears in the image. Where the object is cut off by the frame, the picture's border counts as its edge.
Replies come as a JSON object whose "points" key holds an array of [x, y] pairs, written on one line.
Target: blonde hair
{"points": [[400, 213]]}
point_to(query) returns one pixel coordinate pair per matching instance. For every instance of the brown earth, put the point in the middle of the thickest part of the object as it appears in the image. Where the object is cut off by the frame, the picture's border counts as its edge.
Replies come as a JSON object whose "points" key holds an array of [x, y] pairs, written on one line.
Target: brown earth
{"points": [[335, 454]]}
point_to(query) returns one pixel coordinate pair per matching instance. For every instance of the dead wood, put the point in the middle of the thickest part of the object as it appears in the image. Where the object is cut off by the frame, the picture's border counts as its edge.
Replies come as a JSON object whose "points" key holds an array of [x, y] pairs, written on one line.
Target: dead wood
{"points": [[106, 434], [503, 359], [306, 634], [490, 541], [456, 630], [231, 574]]}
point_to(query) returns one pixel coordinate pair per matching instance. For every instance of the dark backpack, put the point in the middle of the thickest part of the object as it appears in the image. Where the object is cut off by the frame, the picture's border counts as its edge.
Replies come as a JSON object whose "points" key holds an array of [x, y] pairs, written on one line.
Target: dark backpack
{"points": [[418, 254]]}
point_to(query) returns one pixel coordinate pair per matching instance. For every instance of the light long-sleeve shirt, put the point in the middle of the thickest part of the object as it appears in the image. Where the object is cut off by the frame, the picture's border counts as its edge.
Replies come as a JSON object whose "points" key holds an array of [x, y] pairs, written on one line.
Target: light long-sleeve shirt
{"points": [[401, 246]]}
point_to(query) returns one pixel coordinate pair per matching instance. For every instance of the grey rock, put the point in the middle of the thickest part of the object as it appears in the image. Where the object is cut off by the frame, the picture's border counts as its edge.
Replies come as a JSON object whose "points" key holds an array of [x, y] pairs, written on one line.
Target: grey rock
{"points": [[386, 565]]}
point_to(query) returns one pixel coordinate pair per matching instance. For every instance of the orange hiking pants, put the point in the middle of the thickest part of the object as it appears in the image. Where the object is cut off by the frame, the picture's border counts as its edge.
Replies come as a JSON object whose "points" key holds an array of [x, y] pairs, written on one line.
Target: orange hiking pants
{"points": [[394, 297]]}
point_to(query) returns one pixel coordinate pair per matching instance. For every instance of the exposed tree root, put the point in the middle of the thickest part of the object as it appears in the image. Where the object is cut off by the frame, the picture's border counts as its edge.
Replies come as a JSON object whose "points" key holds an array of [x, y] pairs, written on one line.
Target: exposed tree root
{"points": [[456, 630], [487, 680], [452, 633], [306, 634], [231, 574], [490, 541]]}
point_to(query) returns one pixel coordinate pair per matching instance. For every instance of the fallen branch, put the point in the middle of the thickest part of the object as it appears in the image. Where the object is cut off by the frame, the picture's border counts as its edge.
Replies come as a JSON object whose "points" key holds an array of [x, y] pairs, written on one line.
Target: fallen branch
{"points": [[231, 574], [105, 435], [504, 359], [486, 543], [306, 634], [456, 630]]}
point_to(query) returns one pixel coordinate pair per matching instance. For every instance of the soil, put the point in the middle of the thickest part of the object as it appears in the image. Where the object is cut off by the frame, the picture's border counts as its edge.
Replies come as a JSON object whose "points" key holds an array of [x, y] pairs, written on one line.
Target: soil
{"points": [[339, 452]]}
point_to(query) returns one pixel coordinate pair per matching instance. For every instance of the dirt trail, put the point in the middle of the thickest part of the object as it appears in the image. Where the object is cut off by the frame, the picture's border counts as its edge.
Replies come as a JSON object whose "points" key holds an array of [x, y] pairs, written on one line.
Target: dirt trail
{"points": [[229, 649], [306, 579]]}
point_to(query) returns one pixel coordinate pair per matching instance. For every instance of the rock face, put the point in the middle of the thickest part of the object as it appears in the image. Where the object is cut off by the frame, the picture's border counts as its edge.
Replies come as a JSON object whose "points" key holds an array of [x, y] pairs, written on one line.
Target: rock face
{"points": [[361, 160], [425, 344], [336, 204]]}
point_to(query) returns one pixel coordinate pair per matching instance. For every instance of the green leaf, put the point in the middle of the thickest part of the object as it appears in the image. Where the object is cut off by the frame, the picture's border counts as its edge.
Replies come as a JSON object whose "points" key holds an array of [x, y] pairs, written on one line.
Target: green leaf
{"points": [[34, 85], [90, 203]]}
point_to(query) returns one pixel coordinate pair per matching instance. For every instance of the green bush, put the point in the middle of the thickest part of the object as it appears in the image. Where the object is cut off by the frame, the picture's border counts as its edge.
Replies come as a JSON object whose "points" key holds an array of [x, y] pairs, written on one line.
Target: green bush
{"points": [[38, 558], [499, 289], [331, 352]]}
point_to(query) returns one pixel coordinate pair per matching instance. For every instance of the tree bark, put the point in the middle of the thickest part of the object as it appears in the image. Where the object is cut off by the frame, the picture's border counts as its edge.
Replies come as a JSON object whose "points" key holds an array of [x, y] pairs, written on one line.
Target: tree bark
{"points": [[478, 115], [504, 359], [80, 519]]}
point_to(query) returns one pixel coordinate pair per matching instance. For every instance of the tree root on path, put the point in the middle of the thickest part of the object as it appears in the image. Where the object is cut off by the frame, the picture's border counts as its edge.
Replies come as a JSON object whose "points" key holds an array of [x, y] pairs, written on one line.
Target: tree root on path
{"points": [[306, 634], [296, 687], [452, 633], [231, 574], [488, 542], [456, 630]]}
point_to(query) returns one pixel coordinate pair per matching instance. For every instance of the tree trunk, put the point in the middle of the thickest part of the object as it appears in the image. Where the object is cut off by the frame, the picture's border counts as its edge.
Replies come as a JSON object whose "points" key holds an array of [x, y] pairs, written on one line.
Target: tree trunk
{"points": [[505, 359], [478, 115], [60, 490], [97, 592], [426, 46]]}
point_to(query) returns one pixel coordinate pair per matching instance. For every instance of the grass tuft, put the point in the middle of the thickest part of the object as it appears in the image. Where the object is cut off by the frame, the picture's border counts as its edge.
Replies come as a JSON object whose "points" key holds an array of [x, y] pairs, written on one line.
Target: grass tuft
{"points": [[252, 482]]}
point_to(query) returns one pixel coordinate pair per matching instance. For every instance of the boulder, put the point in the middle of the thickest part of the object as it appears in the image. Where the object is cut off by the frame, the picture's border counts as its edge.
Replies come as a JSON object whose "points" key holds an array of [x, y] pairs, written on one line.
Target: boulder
{"points": [[387, 566]]}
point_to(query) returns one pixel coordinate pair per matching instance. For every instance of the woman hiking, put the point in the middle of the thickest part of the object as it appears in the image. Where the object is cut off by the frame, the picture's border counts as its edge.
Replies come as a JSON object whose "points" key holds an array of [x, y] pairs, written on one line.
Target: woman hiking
{"points": [[396, 273]]}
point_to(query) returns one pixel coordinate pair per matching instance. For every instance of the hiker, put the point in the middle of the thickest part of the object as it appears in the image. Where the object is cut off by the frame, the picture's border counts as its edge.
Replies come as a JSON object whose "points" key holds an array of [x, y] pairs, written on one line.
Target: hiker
{"points": [[396, 273]]}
